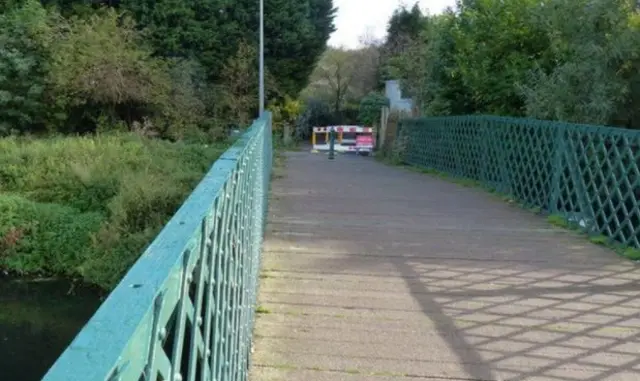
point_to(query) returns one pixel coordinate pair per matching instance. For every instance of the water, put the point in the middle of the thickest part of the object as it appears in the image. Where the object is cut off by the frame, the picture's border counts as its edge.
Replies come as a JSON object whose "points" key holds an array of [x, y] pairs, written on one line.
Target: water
{"points": [[38, 320]]}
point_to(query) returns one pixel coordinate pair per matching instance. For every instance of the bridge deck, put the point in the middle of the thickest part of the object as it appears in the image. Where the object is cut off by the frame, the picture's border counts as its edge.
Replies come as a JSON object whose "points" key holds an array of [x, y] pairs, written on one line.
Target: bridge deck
{"points": [[377, 273]]}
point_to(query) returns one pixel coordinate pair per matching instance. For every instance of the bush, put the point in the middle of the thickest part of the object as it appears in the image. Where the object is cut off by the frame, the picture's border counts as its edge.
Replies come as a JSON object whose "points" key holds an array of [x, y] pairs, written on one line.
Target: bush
{"points": [[43, 237], [371, 107], [97, 201]]}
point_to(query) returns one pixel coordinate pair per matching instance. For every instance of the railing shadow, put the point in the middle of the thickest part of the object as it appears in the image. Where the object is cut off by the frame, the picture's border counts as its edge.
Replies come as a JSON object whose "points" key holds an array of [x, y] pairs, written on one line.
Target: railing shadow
{"points": [[524, 322], [506, 295]]}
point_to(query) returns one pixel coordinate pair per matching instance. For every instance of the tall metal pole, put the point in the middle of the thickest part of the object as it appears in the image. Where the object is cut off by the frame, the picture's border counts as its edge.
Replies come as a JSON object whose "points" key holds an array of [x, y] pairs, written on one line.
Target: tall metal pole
{"points": [[261, 95]]}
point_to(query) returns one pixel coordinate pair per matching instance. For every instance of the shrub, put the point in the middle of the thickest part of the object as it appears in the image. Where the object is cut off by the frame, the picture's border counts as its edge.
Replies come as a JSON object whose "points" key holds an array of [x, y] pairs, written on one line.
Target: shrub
{"points": [[370, 108], [43, 237], [97, 201]]}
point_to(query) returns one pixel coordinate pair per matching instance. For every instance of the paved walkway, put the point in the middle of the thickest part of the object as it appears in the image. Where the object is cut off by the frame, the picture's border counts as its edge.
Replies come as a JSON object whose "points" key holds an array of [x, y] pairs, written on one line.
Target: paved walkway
{"points": [[377, 273]]}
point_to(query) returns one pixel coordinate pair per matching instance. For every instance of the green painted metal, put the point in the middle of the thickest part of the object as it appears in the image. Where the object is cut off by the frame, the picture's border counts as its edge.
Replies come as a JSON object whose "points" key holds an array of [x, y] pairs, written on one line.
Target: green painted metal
{"points": [[589, 174], [185, 310], [332, 143]]}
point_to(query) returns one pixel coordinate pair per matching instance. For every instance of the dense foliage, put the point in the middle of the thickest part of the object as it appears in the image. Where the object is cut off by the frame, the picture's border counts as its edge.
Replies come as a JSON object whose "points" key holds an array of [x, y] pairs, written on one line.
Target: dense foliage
{"points": [[152, 87], [86, 207], [180, 68], [342, 79], [569, 60]]}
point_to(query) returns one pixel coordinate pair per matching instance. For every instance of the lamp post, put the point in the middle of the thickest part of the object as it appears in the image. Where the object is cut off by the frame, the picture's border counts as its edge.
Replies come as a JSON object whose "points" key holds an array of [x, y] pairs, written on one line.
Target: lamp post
{"points": [[261, 70]]}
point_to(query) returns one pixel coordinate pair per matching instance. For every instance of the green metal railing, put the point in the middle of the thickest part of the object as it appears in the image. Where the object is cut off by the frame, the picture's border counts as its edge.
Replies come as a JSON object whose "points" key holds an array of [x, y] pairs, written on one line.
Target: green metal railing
{"points": [[185, 310], [588, 174]]}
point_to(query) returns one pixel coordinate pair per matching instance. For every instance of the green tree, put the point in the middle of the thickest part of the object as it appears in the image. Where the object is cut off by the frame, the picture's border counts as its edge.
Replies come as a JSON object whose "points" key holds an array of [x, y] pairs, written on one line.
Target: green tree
{"points": [[588, 39], [558, 59], [170, 24], [497, 46], [404, 27], [333, 77], [428, 71], [370, 107], [24, 31], [296, 35], [98, 66], [211, 31]]}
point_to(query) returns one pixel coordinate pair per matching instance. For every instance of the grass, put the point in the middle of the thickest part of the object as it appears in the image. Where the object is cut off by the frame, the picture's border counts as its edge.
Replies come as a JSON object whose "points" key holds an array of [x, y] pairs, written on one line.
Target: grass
{"points": [[599, 240], [554, 219], [279, 159], [85, 207], [262, 310], [631, 253], [559, 221], [265, 275]]}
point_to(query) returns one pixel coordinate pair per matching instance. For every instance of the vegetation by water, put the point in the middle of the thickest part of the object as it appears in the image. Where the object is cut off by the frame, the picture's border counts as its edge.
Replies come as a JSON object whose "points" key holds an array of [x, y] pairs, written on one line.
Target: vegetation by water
{"points": [[85, 207], [111, 112]]}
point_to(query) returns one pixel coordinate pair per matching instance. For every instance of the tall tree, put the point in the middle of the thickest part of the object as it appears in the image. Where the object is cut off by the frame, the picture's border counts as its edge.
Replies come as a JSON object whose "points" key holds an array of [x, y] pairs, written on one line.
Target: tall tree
{"points": [[333, 78], [405, 25], [24, 34], [210, 31], [296, 33], [404, 28]]}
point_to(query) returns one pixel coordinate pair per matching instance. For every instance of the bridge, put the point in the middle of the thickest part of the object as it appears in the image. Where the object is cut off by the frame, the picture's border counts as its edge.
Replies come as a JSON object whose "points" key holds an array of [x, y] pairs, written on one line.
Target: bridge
{"points": [[373, 272]]}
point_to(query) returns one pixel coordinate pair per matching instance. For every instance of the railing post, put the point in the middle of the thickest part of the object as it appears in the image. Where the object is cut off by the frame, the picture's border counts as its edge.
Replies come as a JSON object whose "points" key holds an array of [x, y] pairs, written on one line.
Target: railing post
{"points": [[486, 154], [505, 176], [577, 178], [557, 169]]}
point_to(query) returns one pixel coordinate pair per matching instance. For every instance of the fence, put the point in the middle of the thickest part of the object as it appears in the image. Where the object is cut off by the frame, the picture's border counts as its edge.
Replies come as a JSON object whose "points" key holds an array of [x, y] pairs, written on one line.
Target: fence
{"points": [[185, 310], [588, 174]]}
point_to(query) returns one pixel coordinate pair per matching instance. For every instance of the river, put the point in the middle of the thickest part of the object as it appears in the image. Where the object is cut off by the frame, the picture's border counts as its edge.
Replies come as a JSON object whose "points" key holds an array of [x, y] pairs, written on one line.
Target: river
{"points": [[38, 320]]}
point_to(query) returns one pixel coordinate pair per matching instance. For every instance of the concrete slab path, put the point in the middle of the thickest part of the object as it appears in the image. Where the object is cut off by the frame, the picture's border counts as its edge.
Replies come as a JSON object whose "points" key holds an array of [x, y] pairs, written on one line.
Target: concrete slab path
{"points": [[377, 273]]}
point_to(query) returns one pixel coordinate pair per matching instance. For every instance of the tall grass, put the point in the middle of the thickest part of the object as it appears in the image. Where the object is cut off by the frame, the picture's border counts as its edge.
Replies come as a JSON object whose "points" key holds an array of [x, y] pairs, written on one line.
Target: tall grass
{"points": [[85, 207]]}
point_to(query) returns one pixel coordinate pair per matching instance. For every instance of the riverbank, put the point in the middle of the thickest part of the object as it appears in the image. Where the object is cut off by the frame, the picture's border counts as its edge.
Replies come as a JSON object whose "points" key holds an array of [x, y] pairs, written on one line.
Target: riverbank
{"points": [[84, 208]]}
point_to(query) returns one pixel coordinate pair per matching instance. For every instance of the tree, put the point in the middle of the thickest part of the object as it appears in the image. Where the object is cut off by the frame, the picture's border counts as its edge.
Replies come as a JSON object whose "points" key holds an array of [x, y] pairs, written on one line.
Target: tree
{"points": [[210, 31], [98, 66], [239, 90], [342, 78], [367, 73], [497, 45], [405, 26], [170, 64], [333, 77], [588, 39], [24, 31], [298, 32], [524, 58]]}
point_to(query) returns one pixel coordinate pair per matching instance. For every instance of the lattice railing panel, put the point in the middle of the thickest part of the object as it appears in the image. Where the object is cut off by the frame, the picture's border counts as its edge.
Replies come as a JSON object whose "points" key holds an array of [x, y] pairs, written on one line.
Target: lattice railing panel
{"points": [[587, 173], [185, 310]]}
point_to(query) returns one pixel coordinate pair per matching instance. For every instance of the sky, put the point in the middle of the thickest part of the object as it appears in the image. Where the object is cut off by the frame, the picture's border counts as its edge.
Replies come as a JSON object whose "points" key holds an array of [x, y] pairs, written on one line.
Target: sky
{"points": [[356, 18]]}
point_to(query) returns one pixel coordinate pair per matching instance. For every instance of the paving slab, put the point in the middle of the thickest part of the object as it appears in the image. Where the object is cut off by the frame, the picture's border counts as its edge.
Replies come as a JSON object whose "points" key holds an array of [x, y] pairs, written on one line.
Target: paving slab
{"points": [[372, 272]]}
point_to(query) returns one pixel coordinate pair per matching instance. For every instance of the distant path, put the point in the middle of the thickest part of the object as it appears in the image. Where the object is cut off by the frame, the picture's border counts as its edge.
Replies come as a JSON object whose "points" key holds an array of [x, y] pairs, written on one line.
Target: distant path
{"points": [[378, 273]]}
